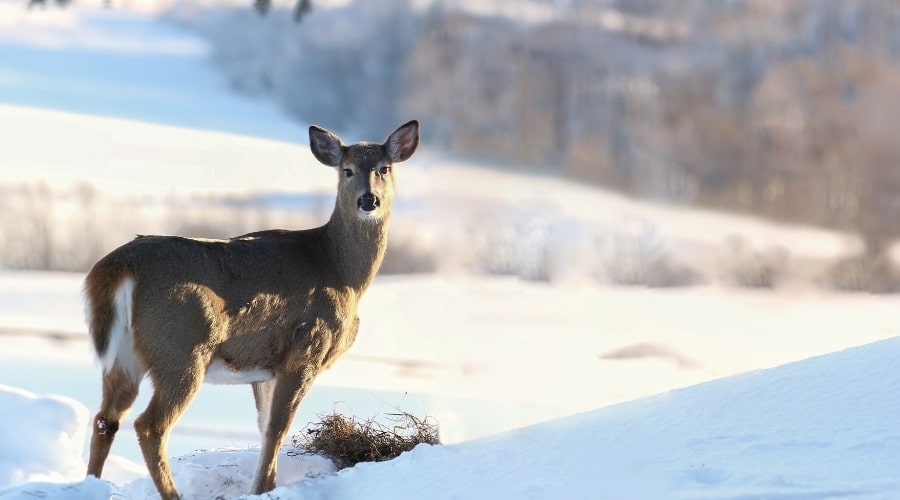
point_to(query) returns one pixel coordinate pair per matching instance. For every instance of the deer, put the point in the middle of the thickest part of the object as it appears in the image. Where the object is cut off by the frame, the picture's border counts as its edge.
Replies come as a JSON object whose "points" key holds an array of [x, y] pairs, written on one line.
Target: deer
{"points": [[271, 309]]}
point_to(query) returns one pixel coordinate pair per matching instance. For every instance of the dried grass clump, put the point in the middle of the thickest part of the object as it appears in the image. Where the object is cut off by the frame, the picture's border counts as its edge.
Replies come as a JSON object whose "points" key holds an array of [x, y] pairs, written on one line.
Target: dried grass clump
{"points": [[348, 441]]}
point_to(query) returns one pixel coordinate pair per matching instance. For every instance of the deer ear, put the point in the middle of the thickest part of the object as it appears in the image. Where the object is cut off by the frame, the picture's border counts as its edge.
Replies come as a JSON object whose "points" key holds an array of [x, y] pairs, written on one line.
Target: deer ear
{"points": [[325, 146], [403, 142]]}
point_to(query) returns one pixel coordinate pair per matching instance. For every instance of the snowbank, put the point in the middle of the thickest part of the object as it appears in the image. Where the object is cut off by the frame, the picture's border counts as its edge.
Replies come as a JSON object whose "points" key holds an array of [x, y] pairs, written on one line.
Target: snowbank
{"points": [[228, 473], [817, 428], [42, 447], [41, 437]]}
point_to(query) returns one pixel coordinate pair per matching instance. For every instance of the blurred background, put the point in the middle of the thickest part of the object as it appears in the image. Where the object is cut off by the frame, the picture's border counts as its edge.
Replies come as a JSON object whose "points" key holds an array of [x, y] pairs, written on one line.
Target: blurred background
{"points": [[612, 198], [783, 111]]}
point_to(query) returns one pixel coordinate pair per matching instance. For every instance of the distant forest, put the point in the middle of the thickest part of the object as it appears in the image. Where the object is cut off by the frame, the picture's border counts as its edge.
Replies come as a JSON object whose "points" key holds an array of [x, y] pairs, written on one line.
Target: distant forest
{"points": [[785, 109]]}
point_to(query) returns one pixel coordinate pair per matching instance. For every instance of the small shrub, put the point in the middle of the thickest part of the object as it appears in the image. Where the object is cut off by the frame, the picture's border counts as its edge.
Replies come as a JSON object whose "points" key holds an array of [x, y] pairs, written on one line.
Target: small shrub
{"points": [[849, 274], [57, 229], [406, 256], [28, 232], [670, 274], [636, 254], [747, 267], [492, 245], [514, 243], [863, 273], [348, 441]]}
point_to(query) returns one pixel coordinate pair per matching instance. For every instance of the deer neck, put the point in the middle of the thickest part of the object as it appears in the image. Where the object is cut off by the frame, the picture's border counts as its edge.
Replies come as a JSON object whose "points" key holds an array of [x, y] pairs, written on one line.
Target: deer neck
{"points": [[358, 247]]}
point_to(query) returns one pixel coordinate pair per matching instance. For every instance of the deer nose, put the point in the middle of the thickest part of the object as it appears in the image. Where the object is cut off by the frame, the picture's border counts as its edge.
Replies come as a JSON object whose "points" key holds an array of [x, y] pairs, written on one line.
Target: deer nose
{"points": [[368, 202]]}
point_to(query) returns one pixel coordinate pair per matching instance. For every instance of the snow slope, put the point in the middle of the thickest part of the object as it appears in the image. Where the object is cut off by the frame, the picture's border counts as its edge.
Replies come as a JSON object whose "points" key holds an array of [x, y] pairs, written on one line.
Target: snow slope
{"points": [[824, 427], [115, 63]]}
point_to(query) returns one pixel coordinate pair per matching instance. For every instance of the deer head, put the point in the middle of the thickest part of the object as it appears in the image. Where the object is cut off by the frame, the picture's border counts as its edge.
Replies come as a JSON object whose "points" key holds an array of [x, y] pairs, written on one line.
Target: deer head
{"points": [[366, 184]]}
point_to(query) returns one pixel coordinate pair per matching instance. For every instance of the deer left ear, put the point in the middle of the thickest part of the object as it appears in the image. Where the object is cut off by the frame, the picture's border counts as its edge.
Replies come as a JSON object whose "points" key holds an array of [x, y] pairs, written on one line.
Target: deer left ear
{"points": [[403, 142]]}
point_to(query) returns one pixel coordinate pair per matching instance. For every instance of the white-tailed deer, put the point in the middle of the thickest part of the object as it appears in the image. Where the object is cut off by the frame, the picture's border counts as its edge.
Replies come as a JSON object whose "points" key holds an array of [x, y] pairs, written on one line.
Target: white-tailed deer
{"points": [[272, 309]]}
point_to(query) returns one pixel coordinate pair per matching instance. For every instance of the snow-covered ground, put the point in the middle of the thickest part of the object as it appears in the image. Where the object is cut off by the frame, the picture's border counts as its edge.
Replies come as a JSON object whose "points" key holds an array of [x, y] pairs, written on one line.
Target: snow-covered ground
{"points": [[824, 427], [129, 105]]}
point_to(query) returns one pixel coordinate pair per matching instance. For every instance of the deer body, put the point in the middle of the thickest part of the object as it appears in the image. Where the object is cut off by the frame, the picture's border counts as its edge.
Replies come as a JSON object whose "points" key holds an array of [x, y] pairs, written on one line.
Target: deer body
{"points": [[271, 308]]}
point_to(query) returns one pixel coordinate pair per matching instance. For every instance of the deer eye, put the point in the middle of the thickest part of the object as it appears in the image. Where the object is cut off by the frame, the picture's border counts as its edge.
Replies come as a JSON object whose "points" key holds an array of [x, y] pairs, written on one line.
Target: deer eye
{"points": [[348, 172], [384, 169]]}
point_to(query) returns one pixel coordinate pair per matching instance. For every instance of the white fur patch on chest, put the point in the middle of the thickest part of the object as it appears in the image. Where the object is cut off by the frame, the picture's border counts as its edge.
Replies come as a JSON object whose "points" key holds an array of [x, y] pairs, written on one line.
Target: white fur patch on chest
{"points": [[221, 374]]}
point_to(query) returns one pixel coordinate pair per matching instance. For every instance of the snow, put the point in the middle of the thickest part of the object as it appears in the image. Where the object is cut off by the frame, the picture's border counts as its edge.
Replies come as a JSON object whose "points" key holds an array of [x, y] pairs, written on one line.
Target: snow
{"points": [[563, 390], [228, 473], [812, 429], [114, 63], [819, 428], [54, 427]]}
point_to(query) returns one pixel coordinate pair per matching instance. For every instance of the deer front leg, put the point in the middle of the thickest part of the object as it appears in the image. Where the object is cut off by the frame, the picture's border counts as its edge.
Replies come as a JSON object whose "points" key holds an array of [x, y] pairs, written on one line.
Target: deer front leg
{"points": [[288, 391]]}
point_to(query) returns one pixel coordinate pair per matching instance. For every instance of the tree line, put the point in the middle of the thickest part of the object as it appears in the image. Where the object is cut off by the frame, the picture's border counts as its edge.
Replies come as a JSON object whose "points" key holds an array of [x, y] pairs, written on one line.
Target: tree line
{"points": [[786, 110]]}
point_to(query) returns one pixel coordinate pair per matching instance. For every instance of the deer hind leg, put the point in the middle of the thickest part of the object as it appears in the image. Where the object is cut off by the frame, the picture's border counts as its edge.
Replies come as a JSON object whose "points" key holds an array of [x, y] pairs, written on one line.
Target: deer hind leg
{"points": [[173, 390], [119, 392], [287, 390], [262, 394]]}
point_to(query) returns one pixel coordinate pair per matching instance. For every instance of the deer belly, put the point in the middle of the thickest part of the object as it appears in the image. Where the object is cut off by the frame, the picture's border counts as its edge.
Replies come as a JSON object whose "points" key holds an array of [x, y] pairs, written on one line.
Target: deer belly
{"points": [[220, 373]]}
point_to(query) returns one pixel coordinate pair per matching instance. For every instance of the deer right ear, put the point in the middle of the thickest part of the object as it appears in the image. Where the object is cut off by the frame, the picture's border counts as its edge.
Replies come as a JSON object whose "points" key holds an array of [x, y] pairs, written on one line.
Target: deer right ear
{"points": [[325, 146]]}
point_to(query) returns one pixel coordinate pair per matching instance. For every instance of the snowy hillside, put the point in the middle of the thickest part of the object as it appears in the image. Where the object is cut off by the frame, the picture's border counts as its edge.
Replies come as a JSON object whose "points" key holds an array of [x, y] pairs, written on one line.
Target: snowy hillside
{"points": [[128, 106], [820, 428]]}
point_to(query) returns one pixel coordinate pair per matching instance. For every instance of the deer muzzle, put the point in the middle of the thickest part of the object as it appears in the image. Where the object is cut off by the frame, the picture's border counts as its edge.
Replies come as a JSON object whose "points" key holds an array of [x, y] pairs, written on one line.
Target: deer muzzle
{"points": [[368, 202]]}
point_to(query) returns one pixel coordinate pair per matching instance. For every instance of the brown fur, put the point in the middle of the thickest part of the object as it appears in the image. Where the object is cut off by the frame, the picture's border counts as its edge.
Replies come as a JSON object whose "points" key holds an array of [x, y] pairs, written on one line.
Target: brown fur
{"points": [[283, 301]]}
